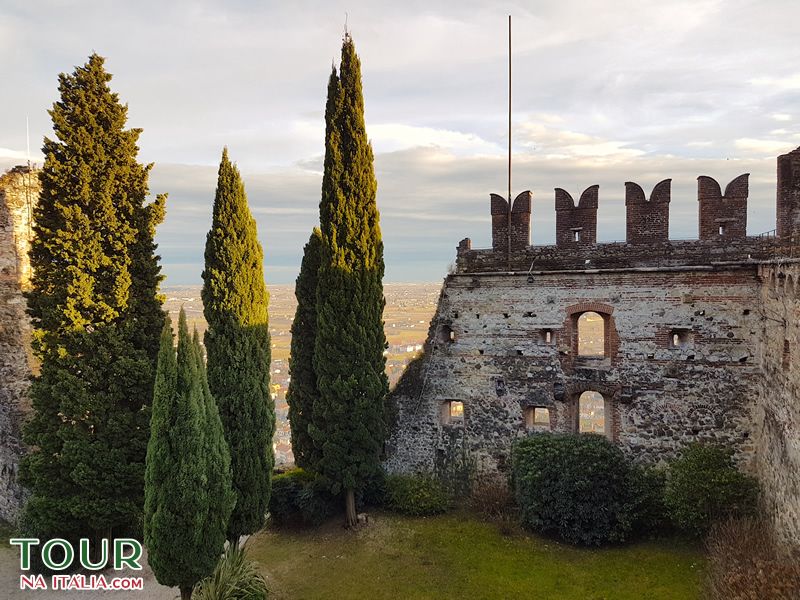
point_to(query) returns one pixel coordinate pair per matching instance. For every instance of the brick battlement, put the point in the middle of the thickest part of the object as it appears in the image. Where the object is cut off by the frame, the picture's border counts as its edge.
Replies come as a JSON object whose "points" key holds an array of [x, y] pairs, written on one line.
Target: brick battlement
{"points": [[618, 255], [722, 230]]}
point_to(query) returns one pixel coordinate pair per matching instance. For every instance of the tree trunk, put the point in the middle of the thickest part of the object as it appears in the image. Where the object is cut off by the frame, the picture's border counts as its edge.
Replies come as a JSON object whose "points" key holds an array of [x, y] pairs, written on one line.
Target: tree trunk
{"points": [[186, 593], [95, 554], [350, 503]]}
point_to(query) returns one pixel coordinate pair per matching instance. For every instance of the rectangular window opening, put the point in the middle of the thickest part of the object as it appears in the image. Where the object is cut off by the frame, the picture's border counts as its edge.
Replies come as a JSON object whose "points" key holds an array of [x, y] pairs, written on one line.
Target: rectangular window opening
{"points": [[452, 411], [680, 338], [537, 417]]}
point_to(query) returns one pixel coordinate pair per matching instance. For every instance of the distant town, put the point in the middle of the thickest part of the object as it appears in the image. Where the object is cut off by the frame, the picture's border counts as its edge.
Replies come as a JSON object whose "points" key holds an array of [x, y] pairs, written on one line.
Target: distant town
{"points": [[409, 308]]}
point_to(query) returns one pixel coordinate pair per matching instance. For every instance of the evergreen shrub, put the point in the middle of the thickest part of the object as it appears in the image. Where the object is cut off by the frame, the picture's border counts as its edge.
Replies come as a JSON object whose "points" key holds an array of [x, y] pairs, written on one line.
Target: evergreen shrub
{"points": [[580, 488], [417, 495], [299, 497], [705, 486]]}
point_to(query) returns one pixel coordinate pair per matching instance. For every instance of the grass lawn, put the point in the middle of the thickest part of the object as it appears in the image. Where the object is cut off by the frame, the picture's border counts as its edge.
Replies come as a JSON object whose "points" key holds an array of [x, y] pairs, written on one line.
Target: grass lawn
{"points": [[456, 556]]}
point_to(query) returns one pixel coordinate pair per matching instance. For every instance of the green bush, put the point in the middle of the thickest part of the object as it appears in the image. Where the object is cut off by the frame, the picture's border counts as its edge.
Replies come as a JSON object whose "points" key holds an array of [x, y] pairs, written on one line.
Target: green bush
{"points": [[234, 578], [417, 495], [299, 497], [578, 487], [704, 486], [646, 499]]}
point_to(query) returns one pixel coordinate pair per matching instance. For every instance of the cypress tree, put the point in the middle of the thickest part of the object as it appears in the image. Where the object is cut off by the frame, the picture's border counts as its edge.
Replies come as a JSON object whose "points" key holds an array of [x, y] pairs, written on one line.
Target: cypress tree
{"points": [[302, 390], [188, 497], [221, 498], [349, 415], [96, 315], [235, 301]]}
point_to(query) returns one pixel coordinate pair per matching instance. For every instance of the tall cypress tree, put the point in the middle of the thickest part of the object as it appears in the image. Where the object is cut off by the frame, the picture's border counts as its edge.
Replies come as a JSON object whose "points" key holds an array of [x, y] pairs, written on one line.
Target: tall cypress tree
{"points": [[237, 340], [188, 496], [96, 315], [349, 416], [302, 390]]}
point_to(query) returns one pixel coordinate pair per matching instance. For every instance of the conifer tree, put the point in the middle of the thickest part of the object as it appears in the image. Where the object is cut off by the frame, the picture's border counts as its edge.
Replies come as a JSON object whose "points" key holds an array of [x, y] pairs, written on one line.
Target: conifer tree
{"points": [[235, 301], [349, 416], [221, 497], [302, 390], [188, 496], [96, 314]]}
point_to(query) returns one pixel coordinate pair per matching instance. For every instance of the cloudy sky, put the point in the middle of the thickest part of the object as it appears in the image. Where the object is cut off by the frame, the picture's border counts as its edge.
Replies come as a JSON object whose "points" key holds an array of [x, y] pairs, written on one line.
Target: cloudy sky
{"points": [[604, 92]]}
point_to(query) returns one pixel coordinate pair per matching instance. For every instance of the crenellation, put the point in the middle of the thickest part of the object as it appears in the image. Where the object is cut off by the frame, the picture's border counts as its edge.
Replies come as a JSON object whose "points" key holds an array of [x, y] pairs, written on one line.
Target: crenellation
{"points": [[788, 210], [647, 221], [722, 216], [576, 225]]}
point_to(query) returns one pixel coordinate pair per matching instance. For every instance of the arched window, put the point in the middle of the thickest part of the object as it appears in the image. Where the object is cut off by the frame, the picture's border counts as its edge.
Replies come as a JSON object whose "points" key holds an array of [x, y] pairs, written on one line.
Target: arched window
{"points": [[591, 335], [592, 413]]}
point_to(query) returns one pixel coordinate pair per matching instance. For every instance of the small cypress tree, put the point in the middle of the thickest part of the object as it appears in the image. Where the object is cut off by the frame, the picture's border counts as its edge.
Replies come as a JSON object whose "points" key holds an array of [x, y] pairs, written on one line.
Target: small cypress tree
{"points": [[221, 498], [188, 498], [302, 390], [96, 314], [235, 301], [349, 424]]}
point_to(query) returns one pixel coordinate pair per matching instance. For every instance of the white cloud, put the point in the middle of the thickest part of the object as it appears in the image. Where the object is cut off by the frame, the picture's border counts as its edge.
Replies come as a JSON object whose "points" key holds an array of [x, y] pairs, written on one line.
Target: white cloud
{"points": [[390, 137], [782, 117], [788, 83], [763, 147]]}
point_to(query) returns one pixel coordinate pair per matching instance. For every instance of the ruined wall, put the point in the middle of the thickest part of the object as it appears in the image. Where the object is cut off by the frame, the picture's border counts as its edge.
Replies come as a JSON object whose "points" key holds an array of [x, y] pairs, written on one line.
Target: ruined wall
{"points": [[499, 361], [777, 416], [19, 190]]}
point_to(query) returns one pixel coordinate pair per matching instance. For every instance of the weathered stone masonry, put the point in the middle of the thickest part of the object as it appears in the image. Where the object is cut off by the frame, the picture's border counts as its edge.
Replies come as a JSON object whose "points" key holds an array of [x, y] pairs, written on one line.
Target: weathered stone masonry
{"points": [[699, 340], [19, 190]]}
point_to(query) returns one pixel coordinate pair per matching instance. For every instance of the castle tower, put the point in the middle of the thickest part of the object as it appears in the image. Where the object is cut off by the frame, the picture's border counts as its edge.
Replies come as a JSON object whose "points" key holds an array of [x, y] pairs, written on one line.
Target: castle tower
{"points": [[788, 212], [647, 221], [19, 191], [723, 216]]}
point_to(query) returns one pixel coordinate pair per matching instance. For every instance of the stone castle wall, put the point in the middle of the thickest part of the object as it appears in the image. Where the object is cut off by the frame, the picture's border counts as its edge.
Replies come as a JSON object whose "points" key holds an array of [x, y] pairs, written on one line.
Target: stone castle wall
{"points": [[700, 340], [777, 416], [489, 349], [19, 190]]}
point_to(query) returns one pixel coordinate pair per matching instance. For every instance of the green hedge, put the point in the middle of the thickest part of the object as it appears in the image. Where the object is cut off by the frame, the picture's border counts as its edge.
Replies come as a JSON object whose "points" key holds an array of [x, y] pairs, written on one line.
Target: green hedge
{"points": [[418, 495], [704, 486], [580, 488]]}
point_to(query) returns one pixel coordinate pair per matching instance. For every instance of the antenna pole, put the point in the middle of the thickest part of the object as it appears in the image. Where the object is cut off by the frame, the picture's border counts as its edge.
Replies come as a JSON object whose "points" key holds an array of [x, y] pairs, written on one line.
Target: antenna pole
{"points": [[28, 139], [509, 142], [509, 110]]}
